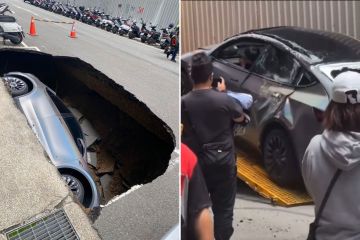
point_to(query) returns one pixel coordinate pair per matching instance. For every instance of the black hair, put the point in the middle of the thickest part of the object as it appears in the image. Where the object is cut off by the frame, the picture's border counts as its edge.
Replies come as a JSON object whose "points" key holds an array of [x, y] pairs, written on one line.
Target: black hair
{"points": [[201, 67]]}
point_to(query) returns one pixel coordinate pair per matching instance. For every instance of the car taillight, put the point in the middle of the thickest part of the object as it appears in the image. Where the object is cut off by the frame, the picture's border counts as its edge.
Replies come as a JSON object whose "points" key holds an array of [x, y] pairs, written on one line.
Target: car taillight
{"points": [[319, 115]]}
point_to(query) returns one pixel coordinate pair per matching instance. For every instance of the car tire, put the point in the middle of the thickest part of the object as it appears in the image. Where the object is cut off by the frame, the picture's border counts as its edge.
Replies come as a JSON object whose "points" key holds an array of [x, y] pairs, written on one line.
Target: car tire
{"points": [[16, 86], [19, 38], [75, 186], [280, 159]]}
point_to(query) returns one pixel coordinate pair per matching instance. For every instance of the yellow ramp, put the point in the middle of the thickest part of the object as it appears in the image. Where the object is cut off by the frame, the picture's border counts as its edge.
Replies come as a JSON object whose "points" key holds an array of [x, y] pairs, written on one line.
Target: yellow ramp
{"points": [[256, 177]]}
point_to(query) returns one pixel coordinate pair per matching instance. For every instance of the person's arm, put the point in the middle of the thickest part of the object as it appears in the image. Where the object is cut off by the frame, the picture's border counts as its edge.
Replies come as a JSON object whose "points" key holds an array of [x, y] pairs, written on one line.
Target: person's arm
{"points": [[236, 109], [221, 86], [204, 225]]}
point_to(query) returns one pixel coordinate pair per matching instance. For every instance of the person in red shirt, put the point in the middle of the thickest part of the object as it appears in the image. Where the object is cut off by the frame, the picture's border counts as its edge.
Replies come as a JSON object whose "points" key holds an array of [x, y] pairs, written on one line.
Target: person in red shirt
{"points": [[196, 219]]}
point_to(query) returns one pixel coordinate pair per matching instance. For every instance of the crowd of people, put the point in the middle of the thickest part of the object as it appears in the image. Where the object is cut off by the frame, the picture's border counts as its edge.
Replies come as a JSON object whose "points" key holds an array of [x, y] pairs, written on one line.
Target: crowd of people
{"points": [[208, 166]]}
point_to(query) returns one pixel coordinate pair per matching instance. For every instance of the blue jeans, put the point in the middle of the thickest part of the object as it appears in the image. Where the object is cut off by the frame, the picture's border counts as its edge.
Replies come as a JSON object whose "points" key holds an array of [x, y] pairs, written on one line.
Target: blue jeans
{"points": [[174, 53]]}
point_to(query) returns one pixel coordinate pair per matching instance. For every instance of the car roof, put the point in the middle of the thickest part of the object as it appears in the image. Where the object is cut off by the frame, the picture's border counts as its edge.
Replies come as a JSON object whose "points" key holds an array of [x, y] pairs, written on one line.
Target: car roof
{"points": [[317, 46]]}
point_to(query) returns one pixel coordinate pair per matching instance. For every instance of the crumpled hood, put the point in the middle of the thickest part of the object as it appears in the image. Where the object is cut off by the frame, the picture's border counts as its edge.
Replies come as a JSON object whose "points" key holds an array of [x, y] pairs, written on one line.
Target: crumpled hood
{"points": [[342, 149]]}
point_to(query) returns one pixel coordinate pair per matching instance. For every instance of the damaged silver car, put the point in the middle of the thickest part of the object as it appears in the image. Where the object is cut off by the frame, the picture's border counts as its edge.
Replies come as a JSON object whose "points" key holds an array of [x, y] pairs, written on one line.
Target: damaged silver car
{"points": [[289, 72], [58, 132]]}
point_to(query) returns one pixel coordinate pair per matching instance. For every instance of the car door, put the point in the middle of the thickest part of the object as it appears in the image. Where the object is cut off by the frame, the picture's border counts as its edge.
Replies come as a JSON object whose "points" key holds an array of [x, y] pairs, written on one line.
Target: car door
{"points": [[270, 82], [234, 60]]}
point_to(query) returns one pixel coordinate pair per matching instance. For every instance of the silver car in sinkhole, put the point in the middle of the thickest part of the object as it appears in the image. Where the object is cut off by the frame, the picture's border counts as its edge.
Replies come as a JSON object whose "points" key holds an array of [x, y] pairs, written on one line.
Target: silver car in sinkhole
{"points": [[58, 132]]}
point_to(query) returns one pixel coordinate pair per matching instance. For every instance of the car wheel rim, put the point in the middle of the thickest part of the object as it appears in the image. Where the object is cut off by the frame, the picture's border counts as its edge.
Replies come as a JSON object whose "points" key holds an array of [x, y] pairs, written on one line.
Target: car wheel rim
{"points": [[275, 153], [15, 84], [75, 186]]}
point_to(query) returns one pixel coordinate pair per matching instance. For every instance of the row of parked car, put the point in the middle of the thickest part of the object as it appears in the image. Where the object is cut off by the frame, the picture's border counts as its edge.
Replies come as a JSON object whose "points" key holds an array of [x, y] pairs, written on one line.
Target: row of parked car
{"points": [[117, 25]]}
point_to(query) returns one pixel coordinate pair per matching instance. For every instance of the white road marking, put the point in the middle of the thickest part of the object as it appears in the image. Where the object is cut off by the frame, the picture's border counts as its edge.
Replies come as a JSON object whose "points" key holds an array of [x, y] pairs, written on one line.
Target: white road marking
{"points": [[30, 47], [26, 10], [24, 44]]}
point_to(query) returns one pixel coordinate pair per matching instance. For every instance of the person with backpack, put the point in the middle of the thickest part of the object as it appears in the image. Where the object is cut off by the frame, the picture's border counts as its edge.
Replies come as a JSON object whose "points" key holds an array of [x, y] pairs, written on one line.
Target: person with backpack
{"points": [[174, 46], [331, 164]]}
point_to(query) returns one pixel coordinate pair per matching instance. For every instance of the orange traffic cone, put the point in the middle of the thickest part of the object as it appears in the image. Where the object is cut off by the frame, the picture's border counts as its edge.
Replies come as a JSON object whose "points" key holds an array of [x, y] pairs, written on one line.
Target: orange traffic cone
{"points": [[32, 27], [73, 33]]}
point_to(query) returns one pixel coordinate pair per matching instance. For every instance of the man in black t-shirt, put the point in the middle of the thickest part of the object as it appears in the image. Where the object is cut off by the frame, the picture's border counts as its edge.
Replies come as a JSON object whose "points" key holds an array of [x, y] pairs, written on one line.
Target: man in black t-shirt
{"points": [[208, 116]]}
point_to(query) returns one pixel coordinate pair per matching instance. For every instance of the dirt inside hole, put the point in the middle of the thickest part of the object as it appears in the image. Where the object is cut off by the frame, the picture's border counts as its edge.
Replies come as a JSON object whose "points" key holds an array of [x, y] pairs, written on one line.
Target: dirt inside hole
{"points": [[135, 146]]}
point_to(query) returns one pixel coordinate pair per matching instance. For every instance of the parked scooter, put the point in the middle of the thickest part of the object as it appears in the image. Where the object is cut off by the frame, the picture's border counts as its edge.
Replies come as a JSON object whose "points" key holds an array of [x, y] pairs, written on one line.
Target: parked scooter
{"points": [[144, 33], [166, 36], [105, 22], [135, 31], [9, 29], [4, 8], [117, 24], [124, 28], [154, 36]]}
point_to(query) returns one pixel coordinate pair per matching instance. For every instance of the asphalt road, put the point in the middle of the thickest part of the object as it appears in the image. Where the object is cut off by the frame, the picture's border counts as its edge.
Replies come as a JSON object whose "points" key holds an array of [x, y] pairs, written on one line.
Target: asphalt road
{"points": [[257, 218], [142, 70]]}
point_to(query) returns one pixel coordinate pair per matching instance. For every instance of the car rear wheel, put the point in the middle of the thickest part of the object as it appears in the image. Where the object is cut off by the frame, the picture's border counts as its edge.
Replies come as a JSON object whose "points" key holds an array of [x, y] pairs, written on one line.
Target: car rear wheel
{"points": [[16, 86], [280, 160], [75, 186]]}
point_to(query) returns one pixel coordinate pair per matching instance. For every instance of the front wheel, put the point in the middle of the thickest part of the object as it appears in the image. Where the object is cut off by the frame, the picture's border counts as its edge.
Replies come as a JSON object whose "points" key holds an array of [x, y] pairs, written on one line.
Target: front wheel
{"points": [[280, 159], [115, 30], [75, 186], [151, 41], [16, 86], [18, 38]]}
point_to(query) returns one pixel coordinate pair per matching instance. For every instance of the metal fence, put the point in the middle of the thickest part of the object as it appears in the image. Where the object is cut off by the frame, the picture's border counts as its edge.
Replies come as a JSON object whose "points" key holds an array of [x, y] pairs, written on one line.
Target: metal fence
{"points": [[208, 22], [158, 12]]}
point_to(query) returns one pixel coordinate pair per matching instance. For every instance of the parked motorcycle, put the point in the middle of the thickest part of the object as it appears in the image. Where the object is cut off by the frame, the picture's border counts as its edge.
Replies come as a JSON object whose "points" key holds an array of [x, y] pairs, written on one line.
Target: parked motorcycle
{"points": [[135, 31], [105, 22], [117, 24], [124, 28], [9, 29], [4, 8], [153, 36], [166, 36], [144, 33]]}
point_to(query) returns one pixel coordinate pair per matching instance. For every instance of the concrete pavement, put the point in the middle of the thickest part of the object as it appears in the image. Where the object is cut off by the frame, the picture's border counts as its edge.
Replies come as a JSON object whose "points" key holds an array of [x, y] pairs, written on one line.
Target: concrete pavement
{"points": [[143, 221]]}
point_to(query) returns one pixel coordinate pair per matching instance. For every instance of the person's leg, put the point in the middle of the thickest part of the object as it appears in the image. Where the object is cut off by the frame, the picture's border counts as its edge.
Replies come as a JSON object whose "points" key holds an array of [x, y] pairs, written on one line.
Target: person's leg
{"points": [[174, 53], [169, 51], [222, 188]]}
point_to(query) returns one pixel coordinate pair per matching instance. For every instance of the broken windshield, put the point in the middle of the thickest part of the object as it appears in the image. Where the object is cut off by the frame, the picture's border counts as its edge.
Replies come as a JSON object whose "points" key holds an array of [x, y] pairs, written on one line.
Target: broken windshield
{"points": [[332, 70]]}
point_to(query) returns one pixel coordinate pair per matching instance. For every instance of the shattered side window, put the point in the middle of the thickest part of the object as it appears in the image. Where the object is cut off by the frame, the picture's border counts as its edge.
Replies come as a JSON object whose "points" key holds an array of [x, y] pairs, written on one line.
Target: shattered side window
{"points": [[242, 54], [277, 65]]}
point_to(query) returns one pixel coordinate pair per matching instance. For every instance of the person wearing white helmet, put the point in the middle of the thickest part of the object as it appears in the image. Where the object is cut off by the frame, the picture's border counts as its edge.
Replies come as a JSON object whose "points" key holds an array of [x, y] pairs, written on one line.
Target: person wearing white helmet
{"points": [[331, 164]]}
